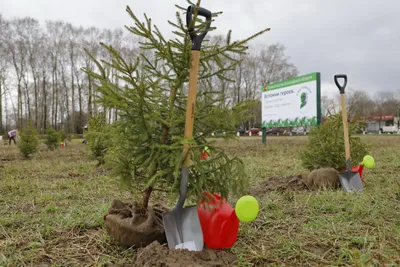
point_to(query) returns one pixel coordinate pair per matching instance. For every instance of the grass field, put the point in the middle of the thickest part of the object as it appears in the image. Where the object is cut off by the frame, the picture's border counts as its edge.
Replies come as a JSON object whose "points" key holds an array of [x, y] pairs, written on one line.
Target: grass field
{"points": [[51, 210]]}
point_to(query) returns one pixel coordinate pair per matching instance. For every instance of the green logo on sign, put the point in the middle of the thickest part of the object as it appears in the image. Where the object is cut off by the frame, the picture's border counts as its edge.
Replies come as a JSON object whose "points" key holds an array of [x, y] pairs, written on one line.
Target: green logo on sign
{"points": [[303, 99]]}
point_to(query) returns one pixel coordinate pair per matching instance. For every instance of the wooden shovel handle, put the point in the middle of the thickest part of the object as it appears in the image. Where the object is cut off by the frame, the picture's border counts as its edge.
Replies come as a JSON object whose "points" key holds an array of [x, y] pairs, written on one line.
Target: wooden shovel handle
{"points": [[345, 126], [191, 103]]}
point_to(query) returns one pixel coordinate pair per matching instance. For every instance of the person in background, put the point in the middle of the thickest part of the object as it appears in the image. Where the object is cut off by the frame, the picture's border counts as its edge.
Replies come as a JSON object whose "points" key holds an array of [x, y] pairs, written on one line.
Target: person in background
{"points": [[11, 136], [84, 140]]}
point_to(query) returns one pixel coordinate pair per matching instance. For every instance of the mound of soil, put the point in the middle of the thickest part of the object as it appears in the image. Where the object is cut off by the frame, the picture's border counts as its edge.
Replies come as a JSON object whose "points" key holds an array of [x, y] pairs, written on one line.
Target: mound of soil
{"points": [[156, 254], [317, 179], [129, 225]]}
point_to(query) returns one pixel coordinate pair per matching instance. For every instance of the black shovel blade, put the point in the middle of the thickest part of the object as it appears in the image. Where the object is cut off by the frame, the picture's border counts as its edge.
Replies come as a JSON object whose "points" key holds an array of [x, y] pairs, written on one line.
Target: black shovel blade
{"points": [[351, 181], [183, 229]]}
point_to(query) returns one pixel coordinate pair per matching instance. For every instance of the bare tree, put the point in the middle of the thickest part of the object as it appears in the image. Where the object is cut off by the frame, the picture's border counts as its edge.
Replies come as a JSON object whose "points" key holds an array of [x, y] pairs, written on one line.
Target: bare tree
{"points": [[274, 64], [327, 105], [90, 42], [73, 47], [45, 68], [3, 72], [259, 67], [15, 47], [32, 36], [359, 103], [56, 31]]}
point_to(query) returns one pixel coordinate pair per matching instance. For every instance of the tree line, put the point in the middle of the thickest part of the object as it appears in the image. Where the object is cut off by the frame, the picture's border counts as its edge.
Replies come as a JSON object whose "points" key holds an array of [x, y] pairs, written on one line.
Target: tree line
{"points": [[42, 82], [364, 105], [40, 72]]}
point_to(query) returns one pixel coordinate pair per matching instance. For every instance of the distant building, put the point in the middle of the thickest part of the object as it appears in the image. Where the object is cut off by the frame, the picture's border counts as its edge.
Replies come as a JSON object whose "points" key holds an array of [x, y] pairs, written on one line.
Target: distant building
{"points": [[383, 124]]}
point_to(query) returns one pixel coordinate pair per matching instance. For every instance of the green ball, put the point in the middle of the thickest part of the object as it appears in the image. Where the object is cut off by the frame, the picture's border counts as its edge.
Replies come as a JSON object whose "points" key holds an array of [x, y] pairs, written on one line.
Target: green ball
{"points": [[206, 149], [246, 208], [368, 161]]}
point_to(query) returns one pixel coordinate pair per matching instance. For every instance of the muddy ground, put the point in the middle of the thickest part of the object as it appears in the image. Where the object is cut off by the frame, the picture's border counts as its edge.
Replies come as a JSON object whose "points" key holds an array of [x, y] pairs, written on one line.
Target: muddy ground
{"points": [[278, 183], [317, 179], [156, 254]]}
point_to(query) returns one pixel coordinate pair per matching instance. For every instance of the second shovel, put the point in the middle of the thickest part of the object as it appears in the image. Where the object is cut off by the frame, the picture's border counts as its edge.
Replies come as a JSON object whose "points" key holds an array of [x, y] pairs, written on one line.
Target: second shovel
{"points": [[350, 180]]}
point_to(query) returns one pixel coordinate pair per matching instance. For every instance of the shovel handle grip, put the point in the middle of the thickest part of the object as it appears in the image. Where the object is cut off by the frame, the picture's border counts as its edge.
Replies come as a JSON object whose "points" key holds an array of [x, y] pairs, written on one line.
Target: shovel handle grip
{"points": [[341, 87], [197, 39]]}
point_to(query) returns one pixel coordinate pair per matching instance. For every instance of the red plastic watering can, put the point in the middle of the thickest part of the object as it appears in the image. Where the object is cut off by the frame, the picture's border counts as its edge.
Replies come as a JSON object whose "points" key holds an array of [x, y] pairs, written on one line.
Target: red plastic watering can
{"points": [[359, 170], [204, 155], [219, 222]]}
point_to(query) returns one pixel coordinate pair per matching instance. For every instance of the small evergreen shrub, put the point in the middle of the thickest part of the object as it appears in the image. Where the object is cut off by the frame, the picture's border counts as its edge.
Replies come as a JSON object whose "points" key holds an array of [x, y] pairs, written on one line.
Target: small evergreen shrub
{"points": [[98, 138], [29, 142], [66, 136], [53, 138], [325, 147]]}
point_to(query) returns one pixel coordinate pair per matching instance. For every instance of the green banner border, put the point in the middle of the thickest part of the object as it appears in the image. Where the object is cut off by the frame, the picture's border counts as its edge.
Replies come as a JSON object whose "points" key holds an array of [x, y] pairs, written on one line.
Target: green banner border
{"points": [[290, 82], [319, 112]]}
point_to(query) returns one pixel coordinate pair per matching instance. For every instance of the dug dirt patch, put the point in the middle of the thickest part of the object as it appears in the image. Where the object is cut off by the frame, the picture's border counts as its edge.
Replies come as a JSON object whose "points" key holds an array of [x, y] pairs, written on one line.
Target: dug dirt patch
{"points": [[156, 254], [322, 178], [278, 183], [4, 159]]}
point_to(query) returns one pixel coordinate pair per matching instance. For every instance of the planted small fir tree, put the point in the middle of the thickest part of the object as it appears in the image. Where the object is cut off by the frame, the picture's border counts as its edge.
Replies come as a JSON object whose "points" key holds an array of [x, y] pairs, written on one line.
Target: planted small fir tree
{"points": [[99, 137], [325, 147], [29, 141], [146, 151], [65, 136], [53, 138]]}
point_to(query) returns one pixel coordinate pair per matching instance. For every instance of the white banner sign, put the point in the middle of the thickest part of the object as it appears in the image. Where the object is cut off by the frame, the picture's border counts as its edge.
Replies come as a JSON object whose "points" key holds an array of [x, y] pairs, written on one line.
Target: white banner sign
{"points": [[294, 102]]}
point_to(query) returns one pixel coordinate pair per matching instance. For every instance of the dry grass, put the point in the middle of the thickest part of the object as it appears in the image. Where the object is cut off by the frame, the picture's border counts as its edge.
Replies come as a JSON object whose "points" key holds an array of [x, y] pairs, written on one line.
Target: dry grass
{"points": [[51, 210]]}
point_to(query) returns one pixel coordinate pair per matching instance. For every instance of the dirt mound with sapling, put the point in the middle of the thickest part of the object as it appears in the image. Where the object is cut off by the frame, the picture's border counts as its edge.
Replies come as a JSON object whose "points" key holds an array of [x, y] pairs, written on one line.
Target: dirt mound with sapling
{"points": [[156, 254], [130, 226], [317, 179]]}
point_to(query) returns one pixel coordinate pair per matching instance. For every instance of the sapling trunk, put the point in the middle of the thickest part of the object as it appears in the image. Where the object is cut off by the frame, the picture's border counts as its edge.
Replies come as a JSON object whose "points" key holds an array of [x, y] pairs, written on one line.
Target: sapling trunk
{"points": [[165, 132], [146, 197]]}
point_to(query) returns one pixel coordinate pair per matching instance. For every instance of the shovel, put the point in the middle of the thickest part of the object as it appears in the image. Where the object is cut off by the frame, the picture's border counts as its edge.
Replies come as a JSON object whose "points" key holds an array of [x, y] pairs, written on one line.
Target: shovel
{"points": [[350, 180], [182, 225]]}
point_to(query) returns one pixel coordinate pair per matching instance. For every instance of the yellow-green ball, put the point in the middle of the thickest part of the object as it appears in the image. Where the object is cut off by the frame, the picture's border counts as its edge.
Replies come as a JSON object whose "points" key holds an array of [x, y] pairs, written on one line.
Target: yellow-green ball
{"points": [[368, 161], [247, 208], [206, 149]]}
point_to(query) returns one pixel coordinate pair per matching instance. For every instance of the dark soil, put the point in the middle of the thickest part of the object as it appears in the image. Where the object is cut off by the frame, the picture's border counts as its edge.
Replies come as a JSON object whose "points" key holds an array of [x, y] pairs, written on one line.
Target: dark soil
{"points": [[156, 254], [278, 183], [317, 179], [7, 159]]}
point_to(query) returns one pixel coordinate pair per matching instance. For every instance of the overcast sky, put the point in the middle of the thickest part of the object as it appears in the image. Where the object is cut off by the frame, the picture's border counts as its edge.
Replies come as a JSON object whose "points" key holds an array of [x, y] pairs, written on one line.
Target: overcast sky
{"points": [[354, 37]]}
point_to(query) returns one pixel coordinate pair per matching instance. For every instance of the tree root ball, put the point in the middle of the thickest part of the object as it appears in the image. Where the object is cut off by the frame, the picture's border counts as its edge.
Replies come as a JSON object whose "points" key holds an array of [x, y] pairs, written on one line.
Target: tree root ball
{"points": [[321, 178], [130, 225]]}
